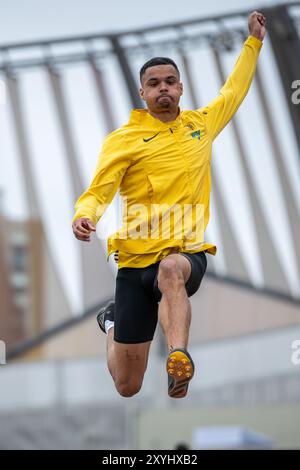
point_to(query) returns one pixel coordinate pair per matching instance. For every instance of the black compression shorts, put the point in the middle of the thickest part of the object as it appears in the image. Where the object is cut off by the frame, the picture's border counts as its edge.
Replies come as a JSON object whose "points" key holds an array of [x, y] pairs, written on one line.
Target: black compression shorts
{"points": [[137, 296]]}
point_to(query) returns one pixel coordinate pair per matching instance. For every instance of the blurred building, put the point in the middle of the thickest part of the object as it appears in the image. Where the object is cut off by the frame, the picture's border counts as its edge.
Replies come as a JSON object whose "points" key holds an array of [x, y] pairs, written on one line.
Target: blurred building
{"points": [[31, 297], [11, 314]]}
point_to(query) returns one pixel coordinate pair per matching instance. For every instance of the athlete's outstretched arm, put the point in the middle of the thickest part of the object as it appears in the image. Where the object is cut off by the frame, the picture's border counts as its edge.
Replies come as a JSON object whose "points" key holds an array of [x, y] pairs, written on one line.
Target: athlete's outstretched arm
{"points": [[113, 162], [219, 111]]}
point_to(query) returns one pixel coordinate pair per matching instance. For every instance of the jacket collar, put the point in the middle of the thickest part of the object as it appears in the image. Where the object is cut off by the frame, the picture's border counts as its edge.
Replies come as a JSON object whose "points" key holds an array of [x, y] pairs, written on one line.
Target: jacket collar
{"points": [[142, 117]]}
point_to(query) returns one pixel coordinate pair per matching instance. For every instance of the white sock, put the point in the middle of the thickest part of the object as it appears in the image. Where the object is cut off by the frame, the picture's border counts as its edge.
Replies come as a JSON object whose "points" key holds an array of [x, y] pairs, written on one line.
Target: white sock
{"points": [[108, 325]]}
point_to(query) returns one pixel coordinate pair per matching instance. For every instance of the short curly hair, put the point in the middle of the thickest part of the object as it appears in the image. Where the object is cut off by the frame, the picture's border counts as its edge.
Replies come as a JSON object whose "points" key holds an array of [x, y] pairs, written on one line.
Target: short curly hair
{"points": [[157, 61]]}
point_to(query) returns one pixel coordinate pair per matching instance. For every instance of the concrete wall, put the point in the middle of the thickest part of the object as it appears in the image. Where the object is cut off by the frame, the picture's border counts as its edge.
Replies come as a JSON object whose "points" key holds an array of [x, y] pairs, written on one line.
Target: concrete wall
{"points": [[163, 428]]}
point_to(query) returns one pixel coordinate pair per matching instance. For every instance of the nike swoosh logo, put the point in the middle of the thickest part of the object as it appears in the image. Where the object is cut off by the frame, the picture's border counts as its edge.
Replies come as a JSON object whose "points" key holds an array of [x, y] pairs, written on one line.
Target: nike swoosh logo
{"points": [[150, 138]]}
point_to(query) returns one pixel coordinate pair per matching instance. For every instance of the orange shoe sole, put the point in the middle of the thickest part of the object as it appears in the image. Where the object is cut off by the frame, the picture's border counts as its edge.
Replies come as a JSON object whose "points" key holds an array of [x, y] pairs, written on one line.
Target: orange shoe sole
{"points": [[180, 369]]}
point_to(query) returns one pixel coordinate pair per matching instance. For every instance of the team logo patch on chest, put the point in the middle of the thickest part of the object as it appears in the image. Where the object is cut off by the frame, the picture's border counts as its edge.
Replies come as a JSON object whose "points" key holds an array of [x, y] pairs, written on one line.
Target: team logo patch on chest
{"points": [[196, 135]]}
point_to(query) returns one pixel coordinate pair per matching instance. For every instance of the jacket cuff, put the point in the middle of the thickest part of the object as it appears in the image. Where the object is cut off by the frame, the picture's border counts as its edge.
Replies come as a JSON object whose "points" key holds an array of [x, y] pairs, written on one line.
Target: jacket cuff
{"points": [[255, 42], [80, 214]]}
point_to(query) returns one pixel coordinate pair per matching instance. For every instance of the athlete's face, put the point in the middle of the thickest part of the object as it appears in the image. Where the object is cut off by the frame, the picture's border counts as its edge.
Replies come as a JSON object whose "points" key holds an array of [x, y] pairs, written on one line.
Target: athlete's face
{"points": [[161, 88]]}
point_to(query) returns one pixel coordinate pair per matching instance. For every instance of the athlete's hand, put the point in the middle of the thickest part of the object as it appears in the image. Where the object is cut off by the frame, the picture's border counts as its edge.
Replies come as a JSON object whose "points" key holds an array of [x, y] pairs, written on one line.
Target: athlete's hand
{"points": [[82, 229], [257, 25]]}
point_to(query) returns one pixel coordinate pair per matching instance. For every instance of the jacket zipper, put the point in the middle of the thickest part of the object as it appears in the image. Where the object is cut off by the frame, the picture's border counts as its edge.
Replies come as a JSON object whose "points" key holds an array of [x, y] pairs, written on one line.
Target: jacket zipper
{"points": [[187, 167]]}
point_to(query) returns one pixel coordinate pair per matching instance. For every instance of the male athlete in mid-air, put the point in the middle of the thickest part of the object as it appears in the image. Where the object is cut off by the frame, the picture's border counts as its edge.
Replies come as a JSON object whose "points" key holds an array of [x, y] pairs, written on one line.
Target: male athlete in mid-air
{"points": [[160, 160]]}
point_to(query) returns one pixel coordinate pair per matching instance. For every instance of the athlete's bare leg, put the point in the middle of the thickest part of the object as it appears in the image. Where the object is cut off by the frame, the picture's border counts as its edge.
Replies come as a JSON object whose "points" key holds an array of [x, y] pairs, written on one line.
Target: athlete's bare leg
{"points": [[174, 311], [127, 364]]}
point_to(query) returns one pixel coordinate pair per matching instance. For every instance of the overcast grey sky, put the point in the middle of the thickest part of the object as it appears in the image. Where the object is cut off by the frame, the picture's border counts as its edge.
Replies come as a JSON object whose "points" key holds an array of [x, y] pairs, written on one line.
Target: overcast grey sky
{"points": [[23, 20], [33, 19]]}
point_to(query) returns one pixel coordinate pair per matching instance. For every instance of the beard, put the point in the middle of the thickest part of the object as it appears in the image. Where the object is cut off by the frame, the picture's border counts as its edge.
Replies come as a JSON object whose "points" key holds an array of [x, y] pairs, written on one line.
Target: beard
{"points": [[164, 105]]}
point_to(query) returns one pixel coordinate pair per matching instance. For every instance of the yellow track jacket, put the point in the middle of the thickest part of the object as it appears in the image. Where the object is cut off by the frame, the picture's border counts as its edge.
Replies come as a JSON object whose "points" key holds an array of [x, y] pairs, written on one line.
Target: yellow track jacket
{"points": [[164, 165]]}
